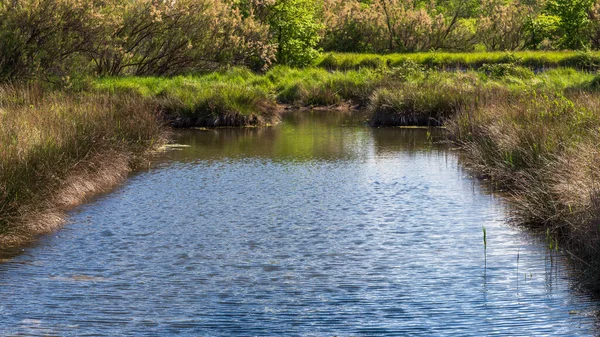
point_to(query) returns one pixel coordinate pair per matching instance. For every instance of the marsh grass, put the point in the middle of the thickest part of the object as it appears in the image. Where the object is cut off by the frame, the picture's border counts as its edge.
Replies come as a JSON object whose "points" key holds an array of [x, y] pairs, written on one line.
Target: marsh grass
{"points": [[484, 230], [406, 94], [236, 97], [418, 104], [318, 87], [56, 148], [429, 97], [542, 147], [537, 60]]}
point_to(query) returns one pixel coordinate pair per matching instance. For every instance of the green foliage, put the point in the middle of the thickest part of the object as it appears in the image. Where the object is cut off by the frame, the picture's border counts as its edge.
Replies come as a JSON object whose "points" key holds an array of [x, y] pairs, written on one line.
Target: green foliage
{"points": [[541, 28], [573, 15], [296, 31], [501, 70]]}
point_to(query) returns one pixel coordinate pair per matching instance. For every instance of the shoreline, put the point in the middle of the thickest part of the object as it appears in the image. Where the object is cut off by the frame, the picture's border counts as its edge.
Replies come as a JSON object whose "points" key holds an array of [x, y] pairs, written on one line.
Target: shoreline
{"points": [[98, 175], [58, 149]]}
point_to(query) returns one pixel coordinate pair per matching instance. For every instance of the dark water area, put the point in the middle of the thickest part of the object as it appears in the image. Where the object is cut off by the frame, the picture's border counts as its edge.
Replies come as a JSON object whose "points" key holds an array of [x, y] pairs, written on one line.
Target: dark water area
{"points": [[320, 226]]}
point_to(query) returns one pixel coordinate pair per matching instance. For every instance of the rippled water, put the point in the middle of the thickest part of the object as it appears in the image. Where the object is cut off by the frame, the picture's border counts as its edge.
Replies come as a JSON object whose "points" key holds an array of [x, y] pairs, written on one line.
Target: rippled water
{"points": [[318, 227]]}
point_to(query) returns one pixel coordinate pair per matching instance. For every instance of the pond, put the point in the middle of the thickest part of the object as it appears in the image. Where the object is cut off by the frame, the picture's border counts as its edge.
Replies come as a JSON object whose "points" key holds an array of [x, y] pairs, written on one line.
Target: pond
{"points": [[320, 226]]}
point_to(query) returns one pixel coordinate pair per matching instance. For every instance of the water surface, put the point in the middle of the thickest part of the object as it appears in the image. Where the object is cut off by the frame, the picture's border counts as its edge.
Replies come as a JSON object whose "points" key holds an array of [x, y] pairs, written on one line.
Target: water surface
{"points": [[318, 227]]}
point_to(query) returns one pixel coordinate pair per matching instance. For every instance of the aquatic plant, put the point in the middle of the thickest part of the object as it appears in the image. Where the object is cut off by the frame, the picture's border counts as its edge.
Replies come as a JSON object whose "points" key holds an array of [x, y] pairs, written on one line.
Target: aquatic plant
{"points": [[484, 238], [484, 244]]}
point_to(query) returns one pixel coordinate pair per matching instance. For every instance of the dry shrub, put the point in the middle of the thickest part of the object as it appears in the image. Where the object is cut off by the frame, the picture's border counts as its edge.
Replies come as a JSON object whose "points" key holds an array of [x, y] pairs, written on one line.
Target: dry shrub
{"points": [[163, 38], [408, 26], [43, 37], [502, 25], [385, 26]]}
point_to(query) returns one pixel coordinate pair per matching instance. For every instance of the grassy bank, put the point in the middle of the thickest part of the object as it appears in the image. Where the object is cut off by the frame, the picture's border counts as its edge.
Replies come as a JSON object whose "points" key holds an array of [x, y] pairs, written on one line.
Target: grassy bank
{"points": [[542, 147], [537, 60], [236, 97], [239, 97], [409, 94], [56, 149]]}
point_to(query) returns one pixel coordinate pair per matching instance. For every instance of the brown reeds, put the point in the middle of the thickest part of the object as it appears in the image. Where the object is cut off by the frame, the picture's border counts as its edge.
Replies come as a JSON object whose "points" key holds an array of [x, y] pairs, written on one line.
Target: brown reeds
{"points": [[543, 148], [57, 149]]}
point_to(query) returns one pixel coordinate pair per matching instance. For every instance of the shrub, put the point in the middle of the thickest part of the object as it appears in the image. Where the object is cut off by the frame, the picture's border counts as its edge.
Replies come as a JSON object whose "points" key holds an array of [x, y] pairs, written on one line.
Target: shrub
{"points": [[295, 29], [501, 70], [54, 39]]}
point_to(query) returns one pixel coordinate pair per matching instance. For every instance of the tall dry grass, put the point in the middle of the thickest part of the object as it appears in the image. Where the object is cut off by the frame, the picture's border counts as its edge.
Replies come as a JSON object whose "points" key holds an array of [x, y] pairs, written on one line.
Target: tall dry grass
{"points": [[57, 148], [543, 148]]}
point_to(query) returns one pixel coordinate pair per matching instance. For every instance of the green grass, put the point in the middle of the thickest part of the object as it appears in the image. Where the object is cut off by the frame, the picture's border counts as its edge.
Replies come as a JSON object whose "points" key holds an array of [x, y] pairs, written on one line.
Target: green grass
{"points": [[443, 60], [410, 94], [238, 93], [236, 97], [318, 87]]}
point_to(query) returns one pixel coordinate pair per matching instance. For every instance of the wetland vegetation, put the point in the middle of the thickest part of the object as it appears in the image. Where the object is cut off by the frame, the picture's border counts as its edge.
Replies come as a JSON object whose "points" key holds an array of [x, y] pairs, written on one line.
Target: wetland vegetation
{"points": [[89, 88]]}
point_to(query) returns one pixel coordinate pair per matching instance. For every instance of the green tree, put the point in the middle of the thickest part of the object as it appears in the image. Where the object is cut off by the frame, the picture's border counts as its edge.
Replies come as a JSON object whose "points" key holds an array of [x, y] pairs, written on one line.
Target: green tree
{"points": [[574, 20], [540, 28], [296, 31]]}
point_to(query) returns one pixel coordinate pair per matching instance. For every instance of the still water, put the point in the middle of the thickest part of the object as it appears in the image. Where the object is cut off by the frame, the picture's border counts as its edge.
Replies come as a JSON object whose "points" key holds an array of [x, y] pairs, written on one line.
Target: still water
{"points": [[318, 227]]}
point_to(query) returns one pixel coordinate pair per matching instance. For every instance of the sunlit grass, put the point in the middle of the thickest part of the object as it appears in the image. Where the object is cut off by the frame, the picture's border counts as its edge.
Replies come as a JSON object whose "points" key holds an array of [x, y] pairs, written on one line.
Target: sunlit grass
{"points": [[473, 60], [56, 147], [230, 98]]}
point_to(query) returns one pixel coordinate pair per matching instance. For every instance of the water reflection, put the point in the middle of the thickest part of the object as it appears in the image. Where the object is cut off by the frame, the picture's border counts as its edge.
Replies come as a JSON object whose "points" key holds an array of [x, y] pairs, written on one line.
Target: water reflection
{"points": [[303, 136]]}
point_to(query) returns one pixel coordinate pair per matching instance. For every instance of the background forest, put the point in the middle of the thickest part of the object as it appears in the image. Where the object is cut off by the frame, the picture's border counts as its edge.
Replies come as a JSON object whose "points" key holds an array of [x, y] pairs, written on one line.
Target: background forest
{"points": [[56, 40]]}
